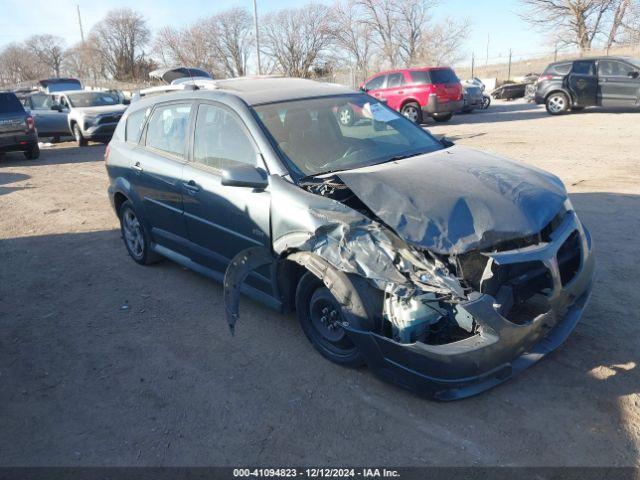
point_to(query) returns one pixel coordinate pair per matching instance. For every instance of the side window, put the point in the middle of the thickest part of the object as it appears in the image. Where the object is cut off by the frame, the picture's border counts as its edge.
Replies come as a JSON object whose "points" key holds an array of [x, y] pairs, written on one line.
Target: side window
{"points": [[612, 68], [167, 130], [375, 83], [395, 80], [583, 67], [420, 77], [559, 69], [220, 141], [135, 122]]}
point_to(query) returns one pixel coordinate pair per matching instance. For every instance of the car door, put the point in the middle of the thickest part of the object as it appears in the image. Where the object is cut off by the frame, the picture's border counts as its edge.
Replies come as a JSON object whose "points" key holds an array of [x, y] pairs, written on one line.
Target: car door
{"points": [[157, 173], [49, 121], [393, 92], [223, 220], [374, 86], [582, 82], [619, 83]]}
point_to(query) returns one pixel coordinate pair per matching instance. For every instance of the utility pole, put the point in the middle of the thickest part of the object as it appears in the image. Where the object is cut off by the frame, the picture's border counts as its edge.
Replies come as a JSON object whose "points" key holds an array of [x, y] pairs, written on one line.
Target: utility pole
{"points": [[473, 61], [509, 74], [80, 23], [255, 21], [486, 61]]}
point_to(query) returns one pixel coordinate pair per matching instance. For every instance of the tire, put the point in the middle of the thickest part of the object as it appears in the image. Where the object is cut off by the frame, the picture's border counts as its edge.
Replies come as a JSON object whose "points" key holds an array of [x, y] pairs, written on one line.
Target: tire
{"points": [[33, 153], [320, 316], [346, 117], [135, 236], [77, 133], [443, 117], [557, 103], [412, 111], [486, 101]]}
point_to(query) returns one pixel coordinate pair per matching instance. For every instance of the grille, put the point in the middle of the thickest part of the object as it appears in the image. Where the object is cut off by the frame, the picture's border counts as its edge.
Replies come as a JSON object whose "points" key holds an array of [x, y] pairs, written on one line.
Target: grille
{"points": [[109, 119], [569, 258]]}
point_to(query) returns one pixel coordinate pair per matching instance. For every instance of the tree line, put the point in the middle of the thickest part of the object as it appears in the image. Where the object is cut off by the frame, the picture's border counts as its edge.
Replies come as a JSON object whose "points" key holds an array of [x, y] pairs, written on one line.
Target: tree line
{"points": [[312, 40]]}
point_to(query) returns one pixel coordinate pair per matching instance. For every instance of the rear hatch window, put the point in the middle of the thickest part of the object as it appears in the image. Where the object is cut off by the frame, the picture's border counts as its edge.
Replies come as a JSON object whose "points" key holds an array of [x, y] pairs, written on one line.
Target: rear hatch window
{"points": [[443, 75], [558, 69], [9, 103]]}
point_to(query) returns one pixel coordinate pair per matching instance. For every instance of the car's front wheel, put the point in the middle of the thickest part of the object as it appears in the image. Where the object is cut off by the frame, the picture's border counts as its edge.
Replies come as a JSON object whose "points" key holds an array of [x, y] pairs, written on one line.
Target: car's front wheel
{"points": [[413, 112], [135, 236], [77, 133], [321, 317], [486, 101], [557, 103], [346, 116]]}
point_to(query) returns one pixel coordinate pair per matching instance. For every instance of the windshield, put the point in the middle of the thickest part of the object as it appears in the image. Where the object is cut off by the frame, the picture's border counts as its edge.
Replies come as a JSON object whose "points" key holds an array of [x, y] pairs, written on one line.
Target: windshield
{"points": [[328, 134], [92, 99]]}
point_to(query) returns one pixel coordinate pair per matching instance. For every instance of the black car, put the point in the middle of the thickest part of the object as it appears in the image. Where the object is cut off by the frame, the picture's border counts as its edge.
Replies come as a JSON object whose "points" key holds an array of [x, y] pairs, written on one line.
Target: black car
{"points": [[587, 82], [17, 128], [442, 268]]}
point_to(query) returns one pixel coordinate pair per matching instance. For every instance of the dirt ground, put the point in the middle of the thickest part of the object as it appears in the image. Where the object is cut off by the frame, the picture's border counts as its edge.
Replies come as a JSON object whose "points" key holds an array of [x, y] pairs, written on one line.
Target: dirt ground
{"points": [[105, 362]]}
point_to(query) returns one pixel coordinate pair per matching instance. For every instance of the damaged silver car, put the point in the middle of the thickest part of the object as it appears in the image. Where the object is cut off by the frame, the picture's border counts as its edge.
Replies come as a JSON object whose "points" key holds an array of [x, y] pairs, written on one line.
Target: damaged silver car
{"points": [[444, 269]]}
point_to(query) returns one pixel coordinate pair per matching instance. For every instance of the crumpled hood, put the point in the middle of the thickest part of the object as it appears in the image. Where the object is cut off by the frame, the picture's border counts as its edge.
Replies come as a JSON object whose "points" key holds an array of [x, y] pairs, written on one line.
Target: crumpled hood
{"points": [[458, 199], [102, 110]]}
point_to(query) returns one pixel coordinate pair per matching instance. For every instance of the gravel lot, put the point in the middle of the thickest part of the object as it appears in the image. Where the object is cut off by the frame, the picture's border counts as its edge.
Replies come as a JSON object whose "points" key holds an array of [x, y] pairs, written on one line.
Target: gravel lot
{"points": [[104, 362]]}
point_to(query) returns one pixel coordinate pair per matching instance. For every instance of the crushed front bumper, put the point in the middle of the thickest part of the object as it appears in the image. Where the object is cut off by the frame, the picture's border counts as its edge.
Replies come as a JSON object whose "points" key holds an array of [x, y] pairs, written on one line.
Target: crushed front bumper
{"points": [[501, 348]]}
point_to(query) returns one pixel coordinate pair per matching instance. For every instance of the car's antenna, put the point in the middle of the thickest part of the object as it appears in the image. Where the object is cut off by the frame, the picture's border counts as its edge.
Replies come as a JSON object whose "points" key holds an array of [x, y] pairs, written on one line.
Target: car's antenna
{"points": [[195, 87]]}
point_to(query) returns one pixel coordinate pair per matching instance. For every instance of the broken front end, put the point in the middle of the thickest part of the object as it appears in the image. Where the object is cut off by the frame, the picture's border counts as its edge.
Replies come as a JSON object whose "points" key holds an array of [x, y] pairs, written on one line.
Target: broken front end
{"points": [[456, 302]]}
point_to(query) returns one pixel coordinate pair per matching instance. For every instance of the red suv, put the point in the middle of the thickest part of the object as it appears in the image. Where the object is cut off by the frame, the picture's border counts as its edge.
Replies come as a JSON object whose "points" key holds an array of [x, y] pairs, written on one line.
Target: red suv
{"points": [[418, 92]]}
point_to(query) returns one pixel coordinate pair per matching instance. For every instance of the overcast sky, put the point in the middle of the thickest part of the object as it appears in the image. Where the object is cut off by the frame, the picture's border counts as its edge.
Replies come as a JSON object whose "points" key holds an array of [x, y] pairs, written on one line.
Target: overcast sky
{"points": [[497, 18]]}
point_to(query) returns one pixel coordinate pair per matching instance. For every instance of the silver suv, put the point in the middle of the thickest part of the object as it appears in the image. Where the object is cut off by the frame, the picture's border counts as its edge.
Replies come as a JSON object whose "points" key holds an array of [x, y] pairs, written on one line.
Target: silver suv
{"points": [[91, 115]]}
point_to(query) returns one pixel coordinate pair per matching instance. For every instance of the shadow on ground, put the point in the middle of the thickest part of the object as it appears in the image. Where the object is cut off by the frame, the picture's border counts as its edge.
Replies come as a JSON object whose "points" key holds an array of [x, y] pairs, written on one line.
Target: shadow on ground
{"points": [[63, 153]]}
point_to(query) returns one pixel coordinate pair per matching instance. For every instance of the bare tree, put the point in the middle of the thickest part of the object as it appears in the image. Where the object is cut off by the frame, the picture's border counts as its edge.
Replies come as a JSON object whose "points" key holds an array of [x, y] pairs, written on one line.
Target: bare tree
{"points": [[49, 50], [579, 21], [382, 17], [219, 44], [616, 22], [352, 35], [297, 38], [19, 64], [631, 24], [443, 45], [122, 36], [83, 60]]}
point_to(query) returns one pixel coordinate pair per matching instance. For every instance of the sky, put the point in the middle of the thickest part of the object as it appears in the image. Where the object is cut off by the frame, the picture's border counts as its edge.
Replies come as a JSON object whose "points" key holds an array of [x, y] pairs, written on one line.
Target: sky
{"points": [[497, 19]]}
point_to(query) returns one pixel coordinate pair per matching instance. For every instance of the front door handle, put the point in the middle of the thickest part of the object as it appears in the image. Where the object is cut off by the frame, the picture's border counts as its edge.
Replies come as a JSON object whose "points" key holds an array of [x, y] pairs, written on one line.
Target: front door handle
{"points": [[400, 92], [137, 167], [192, 187]]}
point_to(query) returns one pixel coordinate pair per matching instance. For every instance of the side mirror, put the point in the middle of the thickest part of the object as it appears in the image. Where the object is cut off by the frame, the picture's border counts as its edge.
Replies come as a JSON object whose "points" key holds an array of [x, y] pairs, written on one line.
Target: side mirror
{"points": [[244, 176], [57, 107], [446, 142], [634, 74], [126, 101], [364, 89]]}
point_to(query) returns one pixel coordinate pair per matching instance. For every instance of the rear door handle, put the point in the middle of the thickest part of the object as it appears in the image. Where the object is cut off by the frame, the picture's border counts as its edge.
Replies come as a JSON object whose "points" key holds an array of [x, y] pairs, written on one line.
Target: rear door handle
{"points": [[400, 92], [192, 187], [137, 167]]}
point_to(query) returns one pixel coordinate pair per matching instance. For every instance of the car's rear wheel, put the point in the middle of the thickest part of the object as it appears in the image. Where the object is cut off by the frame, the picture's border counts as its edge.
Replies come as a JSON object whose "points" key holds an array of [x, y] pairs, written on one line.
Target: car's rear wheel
{"points": [[412, 111], [33, 153], [77, 133], [321, 317], [443, 117], [135, 236], [346, 116], [557, 103]]}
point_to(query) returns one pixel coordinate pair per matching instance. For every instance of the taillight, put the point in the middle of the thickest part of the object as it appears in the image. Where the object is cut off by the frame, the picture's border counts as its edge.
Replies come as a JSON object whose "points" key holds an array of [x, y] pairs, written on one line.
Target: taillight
{"points": [[31, 125], [542, 78], [106, 152]]}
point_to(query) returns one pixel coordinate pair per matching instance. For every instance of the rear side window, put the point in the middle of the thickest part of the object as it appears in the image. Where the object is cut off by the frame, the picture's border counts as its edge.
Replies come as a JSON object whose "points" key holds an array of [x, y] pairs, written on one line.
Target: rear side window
{"points": [[135, 122], [167, 130], [558, 69], [420, 77], [443, 75], [395, 80], [220, 140], [375, 83], [582, 67], [613, 68], [9, 103]]}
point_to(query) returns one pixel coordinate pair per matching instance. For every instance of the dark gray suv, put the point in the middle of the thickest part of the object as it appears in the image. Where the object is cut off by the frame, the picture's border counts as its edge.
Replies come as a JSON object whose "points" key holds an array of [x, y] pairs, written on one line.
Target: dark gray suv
{"points": [[443, 269], [17, 128], [587, 82]]}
